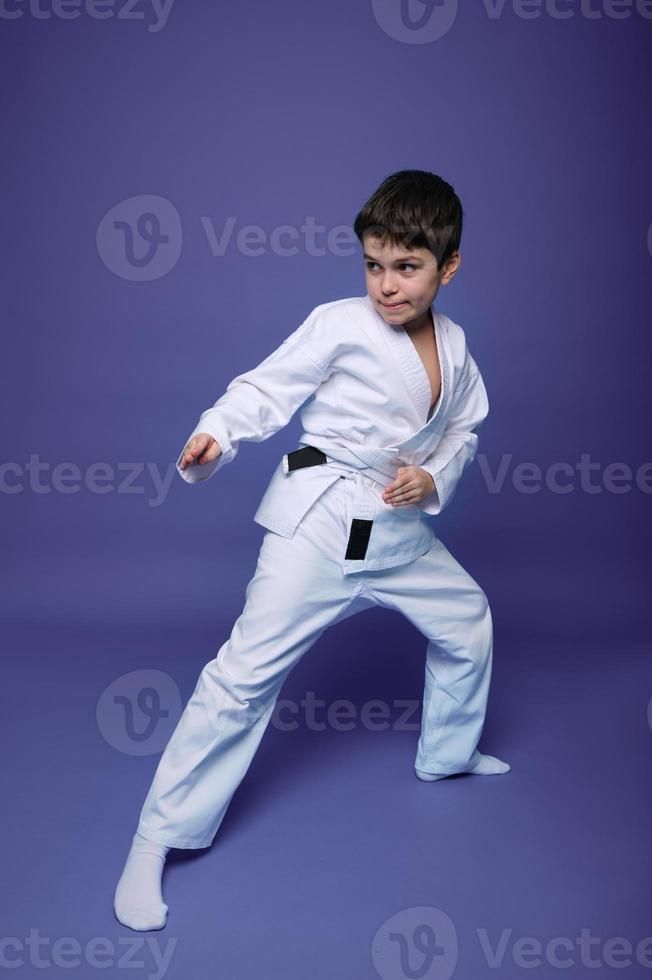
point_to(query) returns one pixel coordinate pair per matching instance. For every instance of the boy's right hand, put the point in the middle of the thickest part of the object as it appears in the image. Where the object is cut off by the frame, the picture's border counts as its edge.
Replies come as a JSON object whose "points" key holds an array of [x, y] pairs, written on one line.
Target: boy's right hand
{"points": [[201, 449]]}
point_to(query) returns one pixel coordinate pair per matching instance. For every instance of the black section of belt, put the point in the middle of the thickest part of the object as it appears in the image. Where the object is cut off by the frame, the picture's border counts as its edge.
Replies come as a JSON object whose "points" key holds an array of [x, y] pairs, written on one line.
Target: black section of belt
{"points": [[358, 538], [306, 456]]}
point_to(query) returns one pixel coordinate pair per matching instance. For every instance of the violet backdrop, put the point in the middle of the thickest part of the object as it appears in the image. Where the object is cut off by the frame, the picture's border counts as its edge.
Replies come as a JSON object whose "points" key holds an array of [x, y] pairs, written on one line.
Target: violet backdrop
{"points": [[214, 117]]}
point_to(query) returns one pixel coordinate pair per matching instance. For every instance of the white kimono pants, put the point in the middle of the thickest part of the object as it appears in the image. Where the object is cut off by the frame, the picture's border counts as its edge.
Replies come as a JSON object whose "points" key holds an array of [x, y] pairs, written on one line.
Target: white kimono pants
{"points": [[297, 591]]}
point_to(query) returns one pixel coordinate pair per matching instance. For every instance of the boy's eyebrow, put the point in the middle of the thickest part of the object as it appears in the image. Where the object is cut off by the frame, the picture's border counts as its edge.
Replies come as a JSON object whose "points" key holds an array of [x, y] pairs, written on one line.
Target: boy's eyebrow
{"points": [[405, 258]]}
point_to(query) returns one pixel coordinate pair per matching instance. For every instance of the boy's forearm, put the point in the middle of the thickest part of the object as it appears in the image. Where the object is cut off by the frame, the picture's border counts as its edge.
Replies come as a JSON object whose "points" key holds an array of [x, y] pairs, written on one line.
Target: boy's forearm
{"points": [[446, 476], [257, 404]]}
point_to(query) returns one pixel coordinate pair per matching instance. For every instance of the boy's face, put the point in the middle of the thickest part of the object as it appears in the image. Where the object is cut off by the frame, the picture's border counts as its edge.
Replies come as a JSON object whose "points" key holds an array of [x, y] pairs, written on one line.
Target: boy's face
{"points": [[402, 283]]}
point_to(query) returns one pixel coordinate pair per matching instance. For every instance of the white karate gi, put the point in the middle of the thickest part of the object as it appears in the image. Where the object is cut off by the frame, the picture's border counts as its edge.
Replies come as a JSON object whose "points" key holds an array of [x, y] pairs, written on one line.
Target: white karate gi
{"points": [[367, 398]]}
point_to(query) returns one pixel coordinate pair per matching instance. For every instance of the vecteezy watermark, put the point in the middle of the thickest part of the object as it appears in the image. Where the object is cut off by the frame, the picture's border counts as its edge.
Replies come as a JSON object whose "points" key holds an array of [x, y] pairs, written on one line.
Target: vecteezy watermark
{"points": [[422, 942], [137, 713], [425, 21], [98, 478], [563, 952], [140, 238], [417, 942], [139, 10], [99, 952], [343, 715], [309, 238], [585, 475]]}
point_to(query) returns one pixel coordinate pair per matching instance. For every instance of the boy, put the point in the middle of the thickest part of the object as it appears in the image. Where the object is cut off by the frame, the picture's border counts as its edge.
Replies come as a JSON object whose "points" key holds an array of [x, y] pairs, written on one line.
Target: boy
{"points": [[393, 396]]}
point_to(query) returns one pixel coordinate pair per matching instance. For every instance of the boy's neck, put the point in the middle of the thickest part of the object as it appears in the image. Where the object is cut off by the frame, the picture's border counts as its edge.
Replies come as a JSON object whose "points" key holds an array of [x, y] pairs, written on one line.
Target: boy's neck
{"points": [[423, 323]]}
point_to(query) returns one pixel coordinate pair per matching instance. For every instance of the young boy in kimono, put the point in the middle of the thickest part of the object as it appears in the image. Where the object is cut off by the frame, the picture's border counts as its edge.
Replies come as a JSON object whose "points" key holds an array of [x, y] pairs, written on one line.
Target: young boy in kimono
{"points": [[392, 396]]}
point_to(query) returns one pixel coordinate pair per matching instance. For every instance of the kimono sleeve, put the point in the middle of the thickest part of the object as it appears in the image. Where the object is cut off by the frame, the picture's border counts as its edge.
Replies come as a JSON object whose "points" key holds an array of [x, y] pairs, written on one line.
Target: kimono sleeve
{"points": [[259, 402], [458, 445]]}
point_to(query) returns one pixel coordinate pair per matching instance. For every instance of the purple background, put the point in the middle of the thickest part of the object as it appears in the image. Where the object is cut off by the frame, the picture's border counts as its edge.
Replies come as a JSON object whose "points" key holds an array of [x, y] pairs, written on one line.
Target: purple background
{"points": [[274, 113]]}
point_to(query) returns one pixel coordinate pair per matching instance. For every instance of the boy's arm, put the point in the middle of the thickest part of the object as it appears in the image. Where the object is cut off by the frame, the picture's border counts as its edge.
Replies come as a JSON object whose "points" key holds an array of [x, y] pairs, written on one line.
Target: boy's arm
{"points": [[458, 444], [259, 402]]}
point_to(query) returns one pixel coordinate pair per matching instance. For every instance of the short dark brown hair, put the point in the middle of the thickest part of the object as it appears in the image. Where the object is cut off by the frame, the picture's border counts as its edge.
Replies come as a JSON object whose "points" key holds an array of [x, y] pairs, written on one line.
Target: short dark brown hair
{"points": [[414, 208]]}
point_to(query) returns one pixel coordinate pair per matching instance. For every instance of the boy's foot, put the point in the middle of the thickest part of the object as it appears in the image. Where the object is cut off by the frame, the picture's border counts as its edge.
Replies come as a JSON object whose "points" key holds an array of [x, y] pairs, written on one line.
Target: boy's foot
{"points": [[138, 901], [487, 765]]}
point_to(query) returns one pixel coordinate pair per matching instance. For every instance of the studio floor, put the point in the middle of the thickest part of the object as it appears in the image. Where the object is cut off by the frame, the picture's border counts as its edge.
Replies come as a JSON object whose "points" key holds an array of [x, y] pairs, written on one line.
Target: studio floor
{"points": [[334, 860]]}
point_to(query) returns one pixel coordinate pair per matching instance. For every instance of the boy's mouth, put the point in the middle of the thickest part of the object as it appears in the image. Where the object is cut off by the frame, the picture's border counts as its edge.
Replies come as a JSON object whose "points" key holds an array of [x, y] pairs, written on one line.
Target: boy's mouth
{"points": [[393, 306]]}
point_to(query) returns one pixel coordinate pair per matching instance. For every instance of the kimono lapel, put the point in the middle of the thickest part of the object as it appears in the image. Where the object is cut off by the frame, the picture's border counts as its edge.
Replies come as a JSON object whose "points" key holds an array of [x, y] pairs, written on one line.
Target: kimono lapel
{"points": [[405, 357], [438, 418], [414, 376]]}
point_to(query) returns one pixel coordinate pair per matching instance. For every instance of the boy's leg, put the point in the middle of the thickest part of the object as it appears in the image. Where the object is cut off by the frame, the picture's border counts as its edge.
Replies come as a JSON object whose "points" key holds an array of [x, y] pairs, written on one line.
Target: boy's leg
{"points": [[297, 591], [445, 603]]}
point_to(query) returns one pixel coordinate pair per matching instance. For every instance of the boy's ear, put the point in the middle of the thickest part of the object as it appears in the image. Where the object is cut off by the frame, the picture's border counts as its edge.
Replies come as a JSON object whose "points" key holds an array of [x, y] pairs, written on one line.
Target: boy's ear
{"points": [[450, 268]]}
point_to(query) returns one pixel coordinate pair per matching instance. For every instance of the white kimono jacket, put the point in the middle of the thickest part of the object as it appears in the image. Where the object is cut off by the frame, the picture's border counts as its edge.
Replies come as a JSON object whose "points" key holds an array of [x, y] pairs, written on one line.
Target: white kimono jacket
{"points": [[367, 397]]}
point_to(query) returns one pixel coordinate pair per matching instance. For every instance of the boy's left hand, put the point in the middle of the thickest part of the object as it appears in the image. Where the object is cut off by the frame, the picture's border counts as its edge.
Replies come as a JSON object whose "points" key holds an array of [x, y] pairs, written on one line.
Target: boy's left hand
{"points": [[412, 485]]}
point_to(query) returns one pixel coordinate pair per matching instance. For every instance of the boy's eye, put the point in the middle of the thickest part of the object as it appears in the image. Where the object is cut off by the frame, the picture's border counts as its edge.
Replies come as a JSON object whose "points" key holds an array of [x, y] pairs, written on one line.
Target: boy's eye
{"points": [[403, 265]]}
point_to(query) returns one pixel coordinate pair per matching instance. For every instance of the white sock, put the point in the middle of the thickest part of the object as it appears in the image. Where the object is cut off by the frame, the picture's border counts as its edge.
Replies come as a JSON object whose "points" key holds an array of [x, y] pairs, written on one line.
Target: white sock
{"points": [[138, 901], [487, 765]]}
